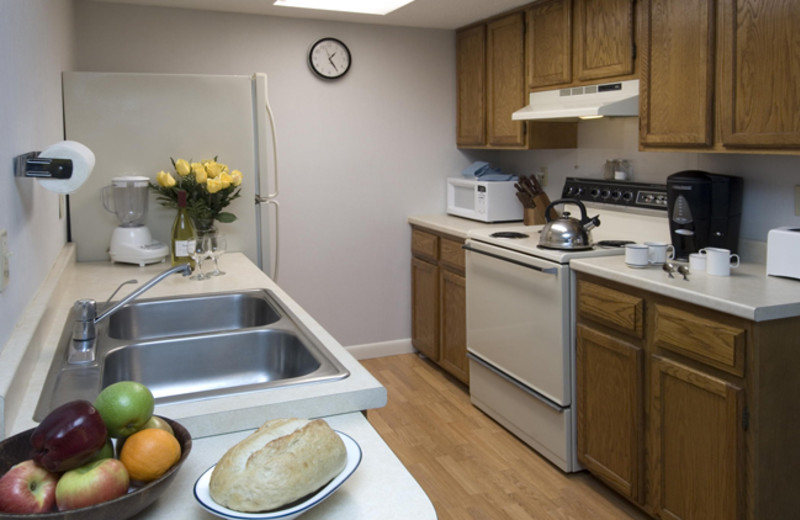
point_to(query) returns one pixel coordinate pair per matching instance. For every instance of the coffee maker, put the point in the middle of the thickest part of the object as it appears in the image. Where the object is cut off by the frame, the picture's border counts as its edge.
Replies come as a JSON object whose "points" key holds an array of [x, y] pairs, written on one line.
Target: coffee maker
{"points": [[705, 210]]}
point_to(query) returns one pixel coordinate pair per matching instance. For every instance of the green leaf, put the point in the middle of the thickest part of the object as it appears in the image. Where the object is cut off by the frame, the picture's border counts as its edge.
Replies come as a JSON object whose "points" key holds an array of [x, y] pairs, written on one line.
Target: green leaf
{"points": [[226, 217]]}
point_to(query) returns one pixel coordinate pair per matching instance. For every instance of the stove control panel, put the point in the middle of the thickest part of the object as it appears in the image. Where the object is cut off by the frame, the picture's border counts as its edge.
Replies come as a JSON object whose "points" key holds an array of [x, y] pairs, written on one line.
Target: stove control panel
{"points": [[618, 193]]}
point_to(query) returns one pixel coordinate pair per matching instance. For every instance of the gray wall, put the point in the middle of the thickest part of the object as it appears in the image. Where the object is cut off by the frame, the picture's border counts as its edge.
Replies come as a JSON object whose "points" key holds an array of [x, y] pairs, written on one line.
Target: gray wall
{"points": [[36, 44], [356, 156]]}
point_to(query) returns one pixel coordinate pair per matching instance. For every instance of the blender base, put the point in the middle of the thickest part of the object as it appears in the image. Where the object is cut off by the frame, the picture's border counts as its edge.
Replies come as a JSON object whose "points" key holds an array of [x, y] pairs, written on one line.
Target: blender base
{"points": [[135, 245]]}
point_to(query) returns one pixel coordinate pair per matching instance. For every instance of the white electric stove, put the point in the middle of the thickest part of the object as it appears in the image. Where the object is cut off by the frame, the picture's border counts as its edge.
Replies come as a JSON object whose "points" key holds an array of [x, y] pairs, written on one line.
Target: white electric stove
{"points": [[521, 312]]}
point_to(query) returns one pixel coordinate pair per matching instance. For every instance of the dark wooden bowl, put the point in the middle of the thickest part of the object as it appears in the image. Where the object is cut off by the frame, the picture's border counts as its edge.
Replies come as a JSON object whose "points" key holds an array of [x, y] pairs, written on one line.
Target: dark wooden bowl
{"points": [[18, 448]]}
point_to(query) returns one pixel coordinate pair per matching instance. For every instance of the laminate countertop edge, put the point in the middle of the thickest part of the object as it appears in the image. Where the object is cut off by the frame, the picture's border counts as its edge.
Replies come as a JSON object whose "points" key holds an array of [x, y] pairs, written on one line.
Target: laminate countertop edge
{"points": [[747, 293]]}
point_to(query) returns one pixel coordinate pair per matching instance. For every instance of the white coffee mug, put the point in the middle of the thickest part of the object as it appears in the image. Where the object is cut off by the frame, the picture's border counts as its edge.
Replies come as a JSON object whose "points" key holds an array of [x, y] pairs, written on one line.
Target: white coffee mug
{"points": [[636, 255], [658, 252], [697, 262], [718, 261]]}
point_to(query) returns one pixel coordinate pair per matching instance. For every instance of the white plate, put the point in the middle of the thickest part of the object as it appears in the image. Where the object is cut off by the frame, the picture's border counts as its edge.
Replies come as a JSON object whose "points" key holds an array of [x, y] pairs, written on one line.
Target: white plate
{"points": [[203, 496]]}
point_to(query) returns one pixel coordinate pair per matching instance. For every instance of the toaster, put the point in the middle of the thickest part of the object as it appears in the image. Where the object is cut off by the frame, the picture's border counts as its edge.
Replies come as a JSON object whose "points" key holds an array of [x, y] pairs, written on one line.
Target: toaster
{"points": [[783, 252]]}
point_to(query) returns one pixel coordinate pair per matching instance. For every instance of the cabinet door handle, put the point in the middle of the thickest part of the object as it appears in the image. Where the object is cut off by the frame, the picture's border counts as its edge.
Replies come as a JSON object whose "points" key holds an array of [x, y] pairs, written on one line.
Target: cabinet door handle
{"points": [[546, 270]]}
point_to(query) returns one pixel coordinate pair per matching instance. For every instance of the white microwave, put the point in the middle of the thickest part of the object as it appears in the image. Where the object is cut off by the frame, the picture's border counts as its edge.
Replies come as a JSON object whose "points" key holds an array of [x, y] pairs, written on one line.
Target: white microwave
{"points": [[487, 201]]}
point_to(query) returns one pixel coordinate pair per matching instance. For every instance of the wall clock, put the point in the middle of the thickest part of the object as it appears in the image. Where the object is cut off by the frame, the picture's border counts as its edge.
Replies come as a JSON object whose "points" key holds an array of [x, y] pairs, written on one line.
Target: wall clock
{"points": [[329, 58]]}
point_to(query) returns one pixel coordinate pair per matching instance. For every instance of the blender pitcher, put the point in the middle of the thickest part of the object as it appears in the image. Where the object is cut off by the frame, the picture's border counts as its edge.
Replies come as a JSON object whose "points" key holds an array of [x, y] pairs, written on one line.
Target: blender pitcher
{"points": [[126, 197]]}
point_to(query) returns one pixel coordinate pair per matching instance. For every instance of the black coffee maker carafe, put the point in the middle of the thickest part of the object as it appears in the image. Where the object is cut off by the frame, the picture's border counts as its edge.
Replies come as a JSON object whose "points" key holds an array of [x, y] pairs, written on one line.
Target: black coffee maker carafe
{"points": [[705, 210]]}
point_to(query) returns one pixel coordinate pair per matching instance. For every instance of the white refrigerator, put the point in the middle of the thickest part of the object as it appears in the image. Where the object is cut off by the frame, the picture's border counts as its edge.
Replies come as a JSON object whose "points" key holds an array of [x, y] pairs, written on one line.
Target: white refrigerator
{"points": [[134, 123]]}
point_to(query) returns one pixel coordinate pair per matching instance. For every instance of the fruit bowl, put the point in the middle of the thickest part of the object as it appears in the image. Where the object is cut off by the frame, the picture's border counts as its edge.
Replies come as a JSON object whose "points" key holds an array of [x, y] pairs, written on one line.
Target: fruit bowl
{"points": [[18, 448]]}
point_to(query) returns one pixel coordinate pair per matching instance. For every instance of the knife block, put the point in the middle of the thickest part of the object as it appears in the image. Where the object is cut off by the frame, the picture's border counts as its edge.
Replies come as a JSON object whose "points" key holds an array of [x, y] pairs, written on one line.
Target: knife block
{"points": [[535, 216]]}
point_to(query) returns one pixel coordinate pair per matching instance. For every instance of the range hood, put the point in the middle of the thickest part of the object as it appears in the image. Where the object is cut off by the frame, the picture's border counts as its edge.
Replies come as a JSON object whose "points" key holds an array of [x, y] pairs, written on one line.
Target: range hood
{"points": [[617, 99]]}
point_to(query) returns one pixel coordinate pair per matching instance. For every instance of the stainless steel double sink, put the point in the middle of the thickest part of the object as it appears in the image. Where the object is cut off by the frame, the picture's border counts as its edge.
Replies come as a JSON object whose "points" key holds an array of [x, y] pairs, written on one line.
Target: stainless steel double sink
{"points": [[193, 347]]}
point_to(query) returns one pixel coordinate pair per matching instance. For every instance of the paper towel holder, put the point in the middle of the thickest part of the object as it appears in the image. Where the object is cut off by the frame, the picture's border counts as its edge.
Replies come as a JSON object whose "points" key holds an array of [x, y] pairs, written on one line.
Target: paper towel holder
{"points": [[31, 165]]}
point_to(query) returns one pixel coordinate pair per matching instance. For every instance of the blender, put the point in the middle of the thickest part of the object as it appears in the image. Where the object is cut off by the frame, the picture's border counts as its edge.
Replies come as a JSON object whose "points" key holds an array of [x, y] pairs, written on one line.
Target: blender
{"points": [[131, 241]]}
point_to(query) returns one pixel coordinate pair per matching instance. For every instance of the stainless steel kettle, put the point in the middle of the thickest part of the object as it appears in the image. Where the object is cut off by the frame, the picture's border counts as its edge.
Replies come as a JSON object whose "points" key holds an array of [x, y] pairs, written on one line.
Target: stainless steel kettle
{"points": [[566, 232]]}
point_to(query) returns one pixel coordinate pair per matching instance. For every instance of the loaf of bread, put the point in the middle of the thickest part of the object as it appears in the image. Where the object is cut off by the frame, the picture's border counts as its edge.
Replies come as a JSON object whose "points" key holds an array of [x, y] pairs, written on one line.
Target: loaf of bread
{"points": [[282, 461]]}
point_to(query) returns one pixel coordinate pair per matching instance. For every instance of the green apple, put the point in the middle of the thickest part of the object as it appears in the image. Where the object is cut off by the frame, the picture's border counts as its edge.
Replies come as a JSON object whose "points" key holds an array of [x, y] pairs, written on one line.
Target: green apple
{"points": [[91, 484], [106, 452], [158, 422], [125, 407]]}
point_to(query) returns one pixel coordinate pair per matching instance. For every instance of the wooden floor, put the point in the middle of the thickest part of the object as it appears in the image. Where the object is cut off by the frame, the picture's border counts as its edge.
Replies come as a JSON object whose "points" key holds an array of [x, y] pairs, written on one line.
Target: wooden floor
{"points": [[470, 467]]}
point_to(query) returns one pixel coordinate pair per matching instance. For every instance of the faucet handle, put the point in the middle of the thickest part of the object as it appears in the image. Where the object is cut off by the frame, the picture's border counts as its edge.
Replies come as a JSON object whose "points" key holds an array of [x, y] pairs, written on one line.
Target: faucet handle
{"points": [[85, 314]]}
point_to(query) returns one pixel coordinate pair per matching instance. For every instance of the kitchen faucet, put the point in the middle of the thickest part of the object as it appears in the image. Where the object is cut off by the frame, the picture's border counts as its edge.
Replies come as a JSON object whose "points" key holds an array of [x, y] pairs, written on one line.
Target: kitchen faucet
{"points": [[83, 330]]}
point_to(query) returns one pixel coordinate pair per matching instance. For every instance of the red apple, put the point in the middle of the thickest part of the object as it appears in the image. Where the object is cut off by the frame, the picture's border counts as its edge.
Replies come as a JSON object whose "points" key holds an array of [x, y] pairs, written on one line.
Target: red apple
{"points": [[68, 437], [27, 488], [91, 484]]}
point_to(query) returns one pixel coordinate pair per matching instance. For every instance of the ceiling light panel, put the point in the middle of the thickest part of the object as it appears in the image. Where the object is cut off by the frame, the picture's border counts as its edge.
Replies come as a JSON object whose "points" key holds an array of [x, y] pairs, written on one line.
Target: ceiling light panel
{"points": [[379, 7]]}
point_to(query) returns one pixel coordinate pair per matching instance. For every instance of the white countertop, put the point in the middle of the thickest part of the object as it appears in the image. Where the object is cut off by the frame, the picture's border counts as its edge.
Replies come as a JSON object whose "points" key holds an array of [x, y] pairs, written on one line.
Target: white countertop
{"points": [[452, 225], [381, 488], [748, 292]]}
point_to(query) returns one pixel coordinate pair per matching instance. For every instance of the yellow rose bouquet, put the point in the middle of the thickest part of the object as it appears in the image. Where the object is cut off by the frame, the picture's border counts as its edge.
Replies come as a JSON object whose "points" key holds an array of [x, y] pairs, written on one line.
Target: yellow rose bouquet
{"points": [[209, 185]]}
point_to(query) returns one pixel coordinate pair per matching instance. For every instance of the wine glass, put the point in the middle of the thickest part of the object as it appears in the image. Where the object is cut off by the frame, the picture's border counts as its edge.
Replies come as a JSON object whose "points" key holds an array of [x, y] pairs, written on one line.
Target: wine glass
{"points": [[197, 246], [217, 245]]}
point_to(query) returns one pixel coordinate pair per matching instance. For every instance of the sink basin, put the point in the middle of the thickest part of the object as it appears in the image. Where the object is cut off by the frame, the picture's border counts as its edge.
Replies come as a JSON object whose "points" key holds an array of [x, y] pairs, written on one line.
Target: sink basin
{"points": [[145, 319], [193, 347], [193, 367]]}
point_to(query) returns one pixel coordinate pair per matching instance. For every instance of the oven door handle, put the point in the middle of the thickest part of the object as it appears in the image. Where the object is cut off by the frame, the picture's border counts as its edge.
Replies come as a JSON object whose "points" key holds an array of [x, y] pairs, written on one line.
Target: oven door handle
{"points": [[530, 391], [546, 270]]}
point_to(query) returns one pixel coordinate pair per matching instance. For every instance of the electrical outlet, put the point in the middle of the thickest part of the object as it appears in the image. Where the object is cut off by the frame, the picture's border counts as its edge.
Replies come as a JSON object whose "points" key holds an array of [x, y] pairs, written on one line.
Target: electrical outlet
{"points": [[542, 175], [797, 201], [3, 260]]}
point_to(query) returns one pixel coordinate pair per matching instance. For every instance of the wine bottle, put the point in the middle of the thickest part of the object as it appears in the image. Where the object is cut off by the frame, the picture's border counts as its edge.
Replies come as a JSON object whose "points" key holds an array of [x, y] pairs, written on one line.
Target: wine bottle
{"points": [[182, 232]]}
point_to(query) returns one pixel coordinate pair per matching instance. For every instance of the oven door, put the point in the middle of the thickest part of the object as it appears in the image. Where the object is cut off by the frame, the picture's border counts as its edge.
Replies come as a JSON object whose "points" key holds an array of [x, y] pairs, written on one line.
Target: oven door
{"points": [[518, 319]]}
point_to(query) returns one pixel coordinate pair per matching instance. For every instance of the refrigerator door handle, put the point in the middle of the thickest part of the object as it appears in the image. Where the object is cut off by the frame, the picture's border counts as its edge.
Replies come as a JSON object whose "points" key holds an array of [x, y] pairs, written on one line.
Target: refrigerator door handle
{"points": [[262, 99], [274, 264]]}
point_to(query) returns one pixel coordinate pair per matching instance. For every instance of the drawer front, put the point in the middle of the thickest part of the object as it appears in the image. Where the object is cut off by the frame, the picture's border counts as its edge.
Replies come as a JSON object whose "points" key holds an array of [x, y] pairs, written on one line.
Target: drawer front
{"points": [[451, 253], [612, 308], [424, 244], [702, 339]]}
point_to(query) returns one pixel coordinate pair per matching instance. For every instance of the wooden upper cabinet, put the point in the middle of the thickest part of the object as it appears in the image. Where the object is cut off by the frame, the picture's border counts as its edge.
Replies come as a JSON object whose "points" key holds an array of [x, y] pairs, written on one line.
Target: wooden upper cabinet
{"points": [[471, 80], [548, 42], [760, 98], [505, 77], [492, 83], [677, 73], [604, 39]]}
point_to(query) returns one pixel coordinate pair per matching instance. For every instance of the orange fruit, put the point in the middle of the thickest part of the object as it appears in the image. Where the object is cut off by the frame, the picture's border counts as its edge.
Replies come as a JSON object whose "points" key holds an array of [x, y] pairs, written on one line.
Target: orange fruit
{"points": [[149, 453]]}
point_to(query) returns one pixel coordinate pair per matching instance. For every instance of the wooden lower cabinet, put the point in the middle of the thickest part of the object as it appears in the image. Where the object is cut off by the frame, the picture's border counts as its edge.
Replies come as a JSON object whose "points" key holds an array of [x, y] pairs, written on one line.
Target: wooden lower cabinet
{"points": [[425, 307], [438, 301], [611, 415], [697, 444], [688, 412]]}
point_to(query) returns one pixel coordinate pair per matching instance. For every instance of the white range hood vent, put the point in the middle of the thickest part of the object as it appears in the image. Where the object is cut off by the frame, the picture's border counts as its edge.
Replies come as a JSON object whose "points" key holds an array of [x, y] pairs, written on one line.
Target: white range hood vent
{"points": [[618, 99]]}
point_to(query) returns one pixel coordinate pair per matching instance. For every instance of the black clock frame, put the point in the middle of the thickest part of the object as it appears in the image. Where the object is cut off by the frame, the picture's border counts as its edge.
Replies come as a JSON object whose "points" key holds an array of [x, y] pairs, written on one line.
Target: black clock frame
{"points": [[318, 73]]}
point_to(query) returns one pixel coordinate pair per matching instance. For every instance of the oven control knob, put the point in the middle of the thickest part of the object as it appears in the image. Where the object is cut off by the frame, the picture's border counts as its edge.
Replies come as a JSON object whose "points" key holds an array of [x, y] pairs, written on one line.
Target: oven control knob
{"points": [[595, 192], [605, 194], [616, 194], [569, 191], [627, 196]]}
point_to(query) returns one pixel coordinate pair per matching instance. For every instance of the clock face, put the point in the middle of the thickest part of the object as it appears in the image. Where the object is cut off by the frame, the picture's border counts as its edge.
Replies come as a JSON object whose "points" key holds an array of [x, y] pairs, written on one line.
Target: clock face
{"points": [[329, 58]]}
